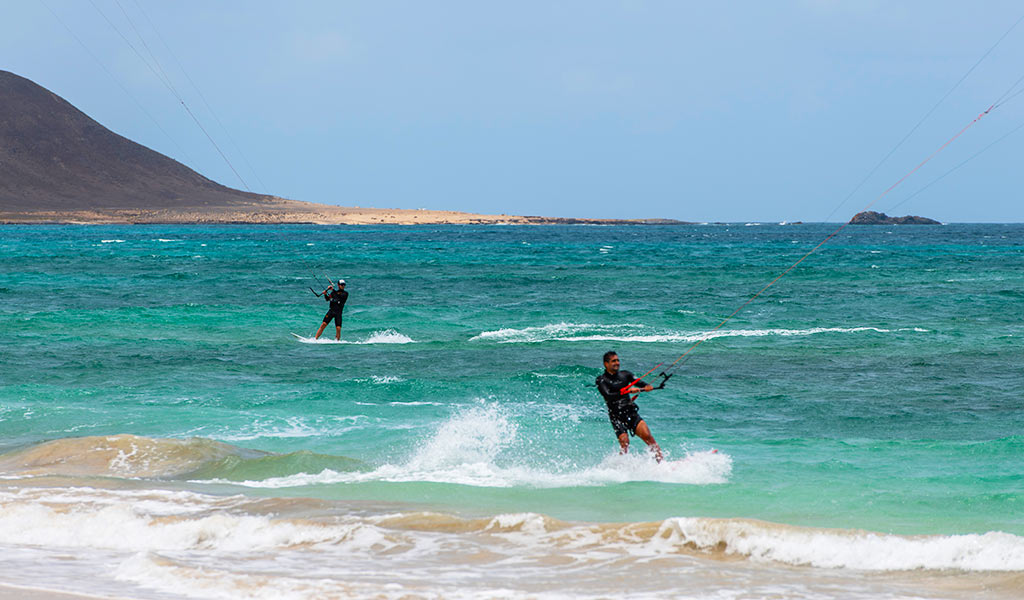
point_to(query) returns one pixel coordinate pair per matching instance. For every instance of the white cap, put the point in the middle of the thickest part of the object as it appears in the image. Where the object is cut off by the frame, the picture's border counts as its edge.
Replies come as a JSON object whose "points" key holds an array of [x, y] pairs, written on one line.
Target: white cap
{"points": [[341, 282]]}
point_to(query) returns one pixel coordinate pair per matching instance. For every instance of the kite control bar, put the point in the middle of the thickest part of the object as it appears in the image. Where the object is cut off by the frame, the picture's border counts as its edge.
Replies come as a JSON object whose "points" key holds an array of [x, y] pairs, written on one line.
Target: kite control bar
{"points": [[664, 379], [315, 276]]}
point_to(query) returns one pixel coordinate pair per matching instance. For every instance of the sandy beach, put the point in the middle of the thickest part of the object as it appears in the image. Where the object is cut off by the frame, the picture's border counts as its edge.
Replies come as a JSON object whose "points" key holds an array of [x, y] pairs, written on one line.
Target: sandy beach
{"points": [[281, 211]]}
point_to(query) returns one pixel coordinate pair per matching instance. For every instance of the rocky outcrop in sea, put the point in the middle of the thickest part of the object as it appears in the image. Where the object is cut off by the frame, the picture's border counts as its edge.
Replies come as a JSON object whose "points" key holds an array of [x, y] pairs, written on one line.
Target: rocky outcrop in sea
{"points": [[870, 217]]}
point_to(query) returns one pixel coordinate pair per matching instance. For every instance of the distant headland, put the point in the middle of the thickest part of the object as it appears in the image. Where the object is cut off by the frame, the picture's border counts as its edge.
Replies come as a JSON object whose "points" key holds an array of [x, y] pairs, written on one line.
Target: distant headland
{"points": [[870, 217], [57, 165]]}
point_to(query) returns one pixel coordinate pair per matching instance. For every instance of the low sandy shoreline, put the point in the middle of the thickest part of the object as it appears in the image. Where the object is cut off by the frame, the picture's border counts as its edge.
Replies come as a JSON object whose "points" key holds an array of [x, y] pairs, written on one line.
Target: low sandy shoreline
{"points": [[282, 211]]}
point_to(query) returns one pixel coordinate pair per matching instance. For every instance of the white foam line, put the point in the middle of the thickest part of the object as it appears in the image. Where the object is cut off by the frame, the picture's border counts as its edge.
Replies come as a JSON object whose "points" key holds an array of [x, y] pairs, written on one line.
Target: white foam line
{"points": [[698, 468], [114, 521], [577, 333], [384, 336], [845, 549], [137, 521]]}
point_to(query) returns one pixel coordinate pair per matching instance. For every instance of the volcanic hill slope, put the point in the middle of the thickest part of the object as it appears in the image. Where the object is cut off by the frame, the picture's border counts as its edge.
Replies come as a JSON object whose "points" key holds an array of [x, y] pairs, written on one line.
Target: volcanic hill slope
{"points": [[54, 157]]}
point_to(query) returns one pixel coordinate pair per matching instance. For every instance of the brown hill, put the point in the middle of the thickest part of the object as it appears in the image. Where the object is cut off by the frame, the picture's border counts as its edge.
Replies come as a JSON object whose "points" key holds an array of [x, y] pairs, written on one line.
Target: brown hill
{"points": [[54, 157]]}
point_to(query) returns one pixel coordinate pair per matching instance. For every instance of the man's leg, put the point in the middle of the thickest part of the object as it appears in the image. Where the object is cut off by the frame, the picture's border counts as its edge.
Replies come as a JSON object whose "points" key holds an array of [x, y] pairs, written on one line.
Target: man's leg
{"points": [[337, 335], [321, 330], [624, 443], [644, 433]]}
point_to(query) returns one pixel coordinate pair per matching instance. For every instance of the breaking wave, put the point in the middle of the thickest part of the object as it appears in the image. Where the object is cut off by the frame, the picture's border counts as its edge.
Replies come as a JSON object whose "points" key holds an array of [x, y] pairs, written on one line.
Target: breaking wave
{"points": [[844, 549], [135, 457], [161, 521], [474, 446]]}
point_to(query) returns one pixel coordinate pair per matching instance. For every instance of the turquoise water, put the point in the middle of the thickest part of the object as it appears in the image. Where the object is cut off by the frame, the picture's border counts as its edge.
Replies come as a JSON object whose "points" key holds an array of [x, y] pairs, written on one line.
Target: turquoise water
{"points": [[877, 386]]}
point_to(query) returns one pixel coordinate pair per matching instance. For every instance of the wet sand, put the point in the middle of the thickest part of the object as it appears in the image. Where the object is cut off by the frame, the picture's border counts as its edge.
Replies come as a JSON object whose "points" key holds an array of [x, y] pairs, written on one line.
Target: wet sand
{"points": [[11, 592]]}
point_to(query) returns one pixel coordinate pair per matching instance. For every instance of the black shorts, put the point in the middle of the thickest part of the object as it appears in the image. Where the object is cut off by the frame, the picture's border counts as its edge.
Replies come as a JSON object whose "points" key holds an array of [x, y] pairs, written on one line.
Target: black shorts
{"points": [[333, 315], [624, 421]]}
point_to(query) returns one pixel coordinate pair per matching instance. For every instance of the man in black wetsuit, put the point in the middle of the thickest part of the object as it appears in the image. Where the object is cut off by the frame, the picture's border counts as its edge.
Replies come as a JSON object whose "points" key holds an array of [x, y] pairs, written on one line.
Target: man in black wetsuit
{"points": [[337, 298], [622, 409]]}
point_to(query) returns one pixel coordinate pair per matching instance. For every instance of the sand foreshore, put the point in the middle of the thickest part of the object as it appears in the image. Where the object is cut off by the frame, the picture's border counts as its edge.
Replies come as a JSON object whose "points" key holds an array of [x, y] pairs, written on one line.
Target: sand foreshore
{"points": [[13, 592], [292, 211]]}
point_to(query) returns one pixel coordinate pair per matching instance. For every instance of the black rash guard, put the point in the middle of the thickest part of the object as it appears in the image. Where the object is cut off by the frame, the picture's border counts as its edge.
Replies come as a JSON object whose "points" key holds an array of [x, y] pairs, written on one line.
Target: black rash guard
{"points": [[337, 298], [610, 385]]}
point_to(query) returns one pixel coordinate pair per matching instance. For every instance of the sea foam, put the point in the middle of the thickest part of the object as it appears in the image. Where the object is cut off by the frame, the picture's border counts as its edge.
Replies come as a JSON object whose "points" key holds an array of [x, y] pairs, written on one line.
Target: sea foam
{"points": [[470, 448], [844, 549], [161, 521], [384, 336], [588, 332], [177, 521]]}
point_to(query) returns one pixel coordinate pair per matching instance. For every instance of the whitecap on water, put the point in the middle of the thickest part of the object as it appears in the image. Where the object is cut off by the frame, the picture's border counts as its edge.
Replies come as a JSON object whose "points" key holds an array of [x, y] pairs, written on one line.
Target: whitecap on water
{"points": [[385, 336], [469, 449], [588, 332]]}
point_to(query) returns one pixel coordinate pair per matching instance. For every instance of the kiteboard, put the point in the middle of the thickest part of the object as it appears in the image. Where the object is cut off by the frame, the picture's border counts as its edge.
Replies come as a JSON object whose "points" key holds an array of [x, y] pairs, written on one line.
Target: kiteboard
{"points": [[313, 340]]}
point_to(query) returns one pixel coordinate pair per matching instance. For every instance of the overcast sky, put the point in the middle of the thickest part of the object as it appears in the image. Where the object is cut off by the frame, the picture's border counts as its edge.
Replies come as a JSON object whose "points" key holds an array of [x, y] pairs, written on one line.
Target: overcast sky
{"points": [[702, 111]]}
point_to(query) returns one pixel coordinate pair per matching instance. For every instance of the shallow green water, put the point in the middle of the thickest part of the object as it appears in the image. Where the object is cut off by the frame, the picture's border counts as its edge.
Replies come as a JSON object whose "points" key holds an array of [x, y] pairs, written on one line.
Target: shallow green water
{"points": [[877, 386]]}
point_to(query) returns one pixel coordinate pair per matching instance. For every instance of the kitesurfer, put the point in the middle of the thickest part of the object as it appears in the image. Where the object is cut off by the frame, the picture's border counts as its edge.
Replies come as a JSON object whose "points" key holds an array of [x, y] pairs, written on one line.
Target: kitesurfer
{"points": [[617, 386], [337, 298]]}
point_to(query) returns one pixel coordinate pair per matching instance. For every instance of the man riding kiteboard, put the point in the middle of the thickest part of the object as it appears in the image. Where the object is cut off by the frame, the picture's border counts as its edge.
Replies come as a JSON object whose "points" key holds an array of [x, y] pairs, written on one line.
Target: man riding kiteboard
{"points": [[617, 386], [337, 298]]}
